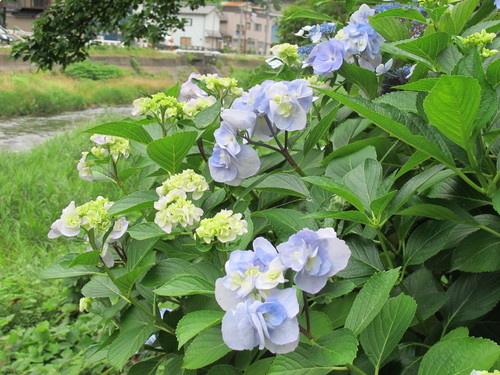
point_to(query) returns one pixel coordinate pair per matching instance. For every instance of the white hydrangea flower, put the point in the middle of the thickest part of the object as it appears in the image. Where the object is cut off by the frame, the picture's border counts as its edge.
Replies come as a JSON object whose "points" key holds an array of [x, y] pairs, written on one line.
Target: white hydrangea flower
{"points": [[226, 226], [119, 229], [83, 167], [188, 181], [139, 106], [181, 211], [116, 145], [68, 225]]}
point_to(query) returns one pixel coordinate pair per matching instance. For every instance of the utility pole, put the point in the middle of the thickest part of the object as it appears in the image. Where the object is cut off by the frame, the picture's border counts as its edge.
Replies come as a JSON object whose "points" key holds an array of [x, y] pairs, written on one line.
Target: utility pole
{"points": [[266, 47]]}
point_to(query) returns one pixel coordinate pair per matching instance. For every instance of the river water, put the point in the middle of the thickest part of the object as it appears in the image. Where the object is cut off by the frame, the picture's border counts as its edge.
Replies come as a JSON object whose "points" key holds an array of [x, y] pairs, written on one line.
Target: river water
{"points": [[24, 132]]}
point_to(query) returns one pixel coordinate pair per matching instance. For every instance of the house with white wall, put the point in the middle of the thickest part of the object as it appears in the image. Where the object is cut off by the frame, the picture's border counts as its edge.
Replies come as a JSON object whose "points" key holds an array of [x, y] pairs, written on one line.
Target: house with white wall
{"points": [[202, 29]]}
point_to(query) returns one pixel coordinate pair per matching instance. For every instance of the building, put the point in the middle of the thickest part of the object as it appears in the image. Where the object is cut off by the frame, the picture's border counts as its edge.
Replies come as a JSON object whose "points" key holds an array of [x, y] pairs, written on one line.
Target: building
{"points": [[248, 28], [20, 14], [202, 29]]}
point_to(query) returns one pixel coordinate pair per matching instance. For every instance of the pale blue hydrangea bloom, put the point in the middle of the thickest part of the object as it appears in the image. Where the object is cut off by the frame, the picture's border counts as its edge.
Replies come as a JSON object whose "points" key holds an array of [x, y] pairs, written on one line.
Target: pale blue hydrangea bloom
{"points": [[271, 324], [316, 32], [226, 138], [315, 256], [361, 15], [238, 119], [383, 68], [232, 169], [327, 57], [250, 274], [190, 90], [497, 4]]}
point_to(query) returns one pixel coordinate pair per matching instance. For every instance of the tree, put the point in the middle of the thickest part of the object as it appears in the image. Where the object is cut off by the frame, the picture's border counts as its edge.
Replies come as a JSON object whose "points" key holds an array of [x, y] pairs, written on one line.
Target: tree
{"points": [[62, 34]]}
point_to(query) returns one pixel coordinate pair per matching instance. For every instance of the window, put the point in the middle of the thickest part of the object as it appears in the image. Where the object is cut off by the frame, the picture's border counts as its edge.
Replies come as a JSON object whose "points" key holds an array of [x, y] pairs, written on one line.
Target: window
{"points": [[238, 28], [258, 27], [189, 21], [249, 25]]}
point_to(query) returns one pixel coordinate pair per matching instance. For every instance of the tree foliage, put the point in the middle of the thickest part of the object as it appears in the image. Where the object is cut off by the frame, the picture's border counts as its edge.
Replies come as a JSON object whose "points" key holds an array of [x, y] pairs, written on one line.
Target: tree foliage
{"points": [[62, 35]]}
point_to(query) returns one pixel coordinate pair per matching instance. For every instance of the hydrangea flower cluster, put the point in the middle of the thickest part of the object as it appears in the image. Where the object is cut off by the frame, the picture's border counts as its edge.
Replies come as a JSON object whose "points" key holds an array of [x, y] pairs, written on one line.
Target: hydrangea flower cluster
{"points": [[222, 87], [258, 313], [480, 40], [261, 113], [283, 53], [225, 226], [317, 32], [158, 105], [109, 144], [173, 206], [356, 42], [194, 106]]}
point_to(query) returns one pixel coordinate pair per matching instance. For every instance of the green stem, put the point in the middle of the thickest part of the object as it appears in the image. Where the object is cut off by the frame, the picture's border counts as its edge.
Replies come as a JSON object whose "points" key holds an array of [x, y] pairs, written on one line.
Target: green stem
{"points": [[475, 166], [381, 238], [306, 310]]}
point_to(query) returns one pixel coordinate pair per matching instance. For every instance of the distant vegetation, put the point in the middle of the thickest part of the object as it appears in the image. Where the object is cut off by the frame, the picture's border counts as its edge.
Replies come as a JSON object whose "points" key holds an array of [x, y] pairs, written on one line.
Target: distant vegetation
{"points": [[94, 70]]}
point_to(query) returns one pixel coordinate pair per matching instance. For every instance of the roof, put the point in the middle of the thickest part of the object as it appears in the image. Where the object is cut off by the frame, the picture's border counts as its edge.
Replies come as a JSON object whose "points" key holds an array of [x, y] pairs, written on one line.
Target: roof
{"points": [[201, 10], [234, 3], [213, 34]]}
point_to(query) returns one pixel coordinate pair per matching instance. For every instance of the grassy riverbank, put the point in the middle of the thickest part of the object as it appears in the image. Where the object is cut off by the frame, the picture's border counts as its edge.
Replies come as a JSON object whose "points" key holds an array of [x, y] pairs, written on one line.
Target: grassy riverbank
{"points": [[41, 330], [50, 92]]}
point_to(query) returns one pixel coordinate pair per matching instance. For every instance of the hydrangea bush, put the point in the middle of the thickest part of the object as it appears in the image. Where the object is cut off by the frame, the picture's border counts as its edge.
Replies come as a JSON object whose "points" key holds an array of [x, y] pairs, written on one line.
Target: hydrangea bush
{"points": [[340, 215]]}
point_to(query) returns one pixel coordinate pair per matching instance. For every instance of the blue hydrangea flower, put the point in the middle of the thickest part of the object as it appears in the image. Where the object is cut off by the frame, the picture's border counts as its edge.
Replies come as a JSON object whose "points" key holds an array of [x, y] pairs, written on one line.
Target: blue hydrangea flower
{"points": [[285, 110], [327, 57], [304, 51], [238, 119], [497, 4], [230, 168], [361, 15], [225, 137], [190, 90], [271, 324], [250, 274], [315, 256]]}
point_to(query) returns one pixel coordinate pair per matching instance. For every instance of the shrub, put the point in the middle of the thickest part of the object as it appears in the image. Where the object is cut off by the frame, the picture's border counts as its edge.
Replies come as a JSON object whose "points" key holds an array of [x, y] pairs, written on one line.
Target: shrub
{"points": [[94, 70]]}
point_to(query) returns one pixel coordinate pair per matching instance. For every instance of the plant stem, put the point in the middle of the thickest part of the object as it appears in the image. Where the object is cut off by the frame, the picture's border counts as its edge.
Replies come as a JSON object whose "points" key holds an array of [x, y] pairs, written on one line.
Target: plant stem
{"points": [[384, 247], [306, 333], [199, 142], [355, 370], [306, 310]]}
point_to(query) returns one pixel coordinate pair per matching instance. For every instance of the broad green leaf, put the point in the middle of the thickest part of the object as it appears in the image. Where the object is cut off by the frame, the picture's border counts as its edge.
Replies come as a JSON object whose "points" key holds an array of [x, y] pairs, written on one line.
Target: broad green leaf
{"points": [[320, 323], [433, 211], [338, 188], [260, 367], [169, 152], [452, 105], [379, 205], [88, 258], [425, 85], [365, 79], [126, 281], [145, 231], [224, 370], [60, 270], [139, 253], [124, 129], [354, 216], [370, 300], [394, 128], [347, 130], [364, 181], [415, 159], [411, 14], [286, 222], [335, 348], [311, 14], [194, 323], [146, 367], [173, 366], [136, 201], [207, 116], [479, 252], [364, 260], [471, 65], [339, 166], [380, 338], [390, 28], [470, 297], [459, 356], [319, 130], [448, 58], [334, 290], [454, 21], [493, 73], [382, 146], [100, 287], [296, 363], [496, 201], [206, 348], [135, 329], [426, 241], [164, 271], [185, 285], [284, 183], [457, 333], [403, 100], [213, 200]]}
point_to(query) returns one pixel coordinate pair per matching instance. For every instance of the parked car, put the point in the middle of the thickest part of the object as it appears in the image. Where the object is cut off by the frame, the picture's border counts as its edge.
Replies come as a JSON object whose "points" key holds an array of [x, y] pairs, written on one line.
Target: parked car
{"points": [[5, 37]]}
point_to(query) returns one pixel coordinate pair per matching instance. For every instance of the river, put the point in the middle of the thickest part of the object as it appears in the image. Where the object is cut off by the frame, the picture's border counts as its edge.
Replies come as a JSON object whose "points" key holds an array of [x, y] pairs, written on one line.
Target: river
{"points": [[23, 132]]}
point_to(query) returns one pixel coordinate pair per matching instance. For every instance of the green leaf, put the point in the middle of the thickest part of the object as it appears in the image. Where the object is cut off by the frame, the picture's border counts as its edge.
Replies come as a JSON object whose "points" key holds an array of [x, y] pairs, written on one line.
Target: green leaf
{"points": [[493, 73], [260, 367], [425, 85], [433, 211], [411, 14], [60, 270], [173, 366], [206, 348], [459, 356], [426, 240], [126, 281], [137, 201], [365, 79], [381, 144], [194, 323], [319, 130], [370, 300], [470, 297], [185, 285], [146, 367], [169, 152], [457, 333], [135, 329], [415, 159], [496, 200], [207, 116], [454, 21], [88, 258], [100, 287], [403, 100], [380, 338], [339, 166], [139, 253], [478, 252], [284, 183], [338, 188], [224, 370], [452, 106], [370, 111], [335, 348], [354, 216], [364, 181], [390, 28], [124, 129], [311, 14], [364, 260], [145, 231], [296, 363], [286, 222]]}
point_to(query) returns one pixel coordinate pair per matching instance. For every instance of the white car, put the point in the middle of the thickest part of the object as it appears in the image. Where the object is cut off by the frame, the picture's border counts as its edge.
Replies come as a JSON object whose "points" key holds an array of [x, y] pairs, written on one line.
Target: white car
{"points": [[5, 37]]}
